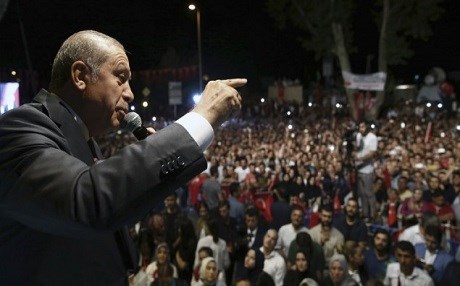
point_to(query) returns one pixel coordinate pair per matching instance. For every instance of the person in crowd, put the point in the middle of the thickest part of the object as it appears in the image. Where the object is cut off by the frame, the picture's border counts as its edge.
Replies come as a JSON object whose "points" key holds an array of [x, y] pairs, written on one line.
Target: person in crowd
{"points": [[451, 272], [274, 263], [203, 252], [402, 189], [250, 235], [218, 246], [172, 216], [287, 233], [242, 170], [236, 207], [374, 282], [316, 262], [212, 191], [209, 273], [313, 193], [146, 249], [227, 225], [418, 179], [456, 208], [414, 234], [156, 226], [380, 190], [411, 208], [378, 255], [185, 250], [280, 209], [430, 255], [366, 147], [351, 225], [433, 185], [353, 252], [56, 199], [338, 272], [242, 282], [202, 222], [324, 234], [162, 258], [265, 279], [252, 266], [227, 229], [440, 207], [455, 189], [299, 271], [166, 277], [404, 272]]}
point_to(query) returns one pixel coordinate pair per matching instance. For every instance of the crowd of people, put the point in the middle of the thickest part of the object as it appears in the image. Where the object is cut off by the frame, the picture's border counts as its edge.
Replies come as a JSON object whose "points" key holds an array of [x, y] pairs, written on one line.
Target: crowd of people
{"points": [[295, 196]]}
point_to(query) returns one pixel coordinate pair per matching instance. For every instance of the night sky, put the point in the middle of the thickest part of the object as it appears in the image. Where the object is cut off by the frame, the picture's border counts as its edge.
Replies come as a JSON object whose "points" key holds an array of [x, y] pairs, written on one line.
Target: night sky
{"points": [[238, 37]]}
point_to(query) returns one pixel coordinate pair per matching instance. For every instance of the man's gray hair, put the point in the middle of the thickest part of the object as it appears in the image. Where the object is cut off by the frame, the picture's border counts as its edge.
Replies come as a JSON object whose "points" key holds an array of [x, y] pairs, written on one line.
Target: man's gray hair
{"points": [[91, 47]]}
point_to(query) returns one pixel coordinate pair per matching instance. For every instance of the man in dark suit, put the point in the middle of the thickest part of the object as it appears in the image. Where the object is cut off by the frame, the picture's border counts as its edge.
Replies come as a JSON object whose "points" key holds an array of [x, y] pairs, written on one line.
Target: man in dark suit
{"points": [[62, 217]]}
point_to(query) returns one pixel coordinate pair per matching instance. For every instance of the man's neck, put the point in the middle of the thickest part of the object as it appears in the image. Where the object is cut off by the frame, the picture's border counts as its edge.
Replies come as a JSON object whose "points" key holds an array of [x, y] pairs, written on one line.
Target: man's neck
{"points": [[381, 255], [296, 227], [350, 220], [266, 251], [408, 274]]}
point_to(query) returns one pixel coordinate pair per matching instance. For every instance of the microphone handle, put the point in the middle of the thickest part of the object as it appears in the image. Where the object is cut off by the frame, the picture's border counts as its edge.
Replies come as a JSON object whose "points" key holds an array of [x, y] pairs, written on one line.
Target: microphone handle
{"points": [[141, 133]]}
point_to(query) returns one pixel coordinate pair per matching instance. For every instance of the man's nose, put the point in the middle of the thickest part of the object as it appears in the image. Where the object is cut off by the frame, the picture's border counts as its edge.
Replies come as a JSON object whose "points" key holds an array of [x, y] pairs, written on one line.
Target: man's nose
{"points": [[128, 95]]}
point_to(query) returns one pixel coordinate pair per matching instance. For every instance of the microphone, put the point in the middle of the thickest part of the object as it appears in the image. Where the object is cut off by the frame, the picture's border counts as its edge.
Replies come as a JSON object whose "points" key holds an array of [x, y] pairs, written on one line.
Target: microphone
{"points": [[132, 122]]}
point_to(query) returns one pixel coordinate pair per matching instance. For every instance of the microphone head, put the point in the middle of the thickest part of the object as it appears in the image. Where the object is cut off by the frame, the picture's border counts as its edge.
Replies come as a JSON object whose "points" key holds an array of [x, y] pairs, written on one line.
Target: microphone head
{"points": [[131, 121]]}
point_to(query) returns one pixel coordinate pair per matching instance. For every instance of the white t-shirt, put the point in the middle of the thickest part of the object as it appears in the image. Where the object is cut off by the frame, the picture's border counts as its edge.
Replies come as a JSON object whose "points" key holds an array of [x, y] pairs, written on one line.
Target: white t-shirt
{"points": [[286, 235], [370, 145]]}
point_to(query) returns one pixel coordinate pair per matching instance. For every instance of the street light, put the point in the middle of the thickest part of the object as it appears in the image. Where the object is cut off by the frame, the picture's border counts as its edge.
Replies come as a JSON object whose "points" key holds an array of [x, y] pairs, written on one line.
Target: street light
{"points": [[198, 28]]}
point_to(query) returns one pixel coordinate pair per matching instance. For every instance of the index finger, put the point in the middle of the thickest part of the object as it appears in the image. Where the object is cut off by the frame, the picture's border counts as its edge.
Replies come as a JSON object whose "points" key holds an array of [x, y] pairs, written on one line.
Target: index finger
{"points": [[234, 82]]}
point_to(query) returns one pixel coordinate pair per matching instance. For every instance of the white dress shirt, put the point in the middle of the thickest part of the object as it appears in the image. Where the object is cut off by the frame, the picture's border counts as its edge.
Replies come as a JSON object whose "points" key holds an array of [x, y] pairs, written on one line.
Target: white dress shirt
{"points": [[275, 266], [395, 277]]}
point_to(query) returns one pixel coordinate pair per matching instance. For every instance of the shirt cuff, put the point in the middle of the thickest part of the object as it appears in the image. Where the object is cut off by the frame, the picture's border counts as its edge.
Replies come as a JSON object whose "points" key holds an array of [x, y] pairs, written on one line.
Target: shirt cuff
{"points": [[199, 128]]}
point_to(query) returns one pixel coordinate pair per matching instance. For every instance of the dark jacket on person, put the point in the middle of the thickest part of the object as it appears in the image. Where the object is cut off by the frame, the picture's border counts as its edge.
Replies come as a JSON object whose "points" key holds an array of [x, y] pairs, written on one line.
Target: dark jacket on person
{"points": [[63, 217]]}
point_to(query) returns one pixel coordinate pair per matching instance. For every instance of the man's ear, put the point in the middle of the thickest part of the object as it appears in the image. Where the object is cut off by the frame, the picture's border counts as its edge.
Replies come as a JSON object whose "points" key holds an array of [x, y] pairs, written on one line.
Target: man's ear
{"points": [[80, 75]]}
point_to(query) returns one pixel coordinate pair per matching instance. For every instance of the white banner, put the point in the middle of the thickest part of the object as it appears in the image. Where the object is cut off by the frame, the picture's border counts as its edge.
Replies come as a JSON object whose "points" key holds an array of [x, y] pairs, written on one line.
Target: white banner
{"points": [[375, 81]]}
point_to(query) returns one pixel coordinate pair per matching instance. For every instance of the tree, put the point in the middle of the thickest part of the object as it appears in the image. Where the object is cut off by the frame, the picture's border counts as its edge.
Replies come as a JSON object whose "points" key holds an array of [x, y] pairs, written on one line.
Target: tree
{"points": [[327, 30]]}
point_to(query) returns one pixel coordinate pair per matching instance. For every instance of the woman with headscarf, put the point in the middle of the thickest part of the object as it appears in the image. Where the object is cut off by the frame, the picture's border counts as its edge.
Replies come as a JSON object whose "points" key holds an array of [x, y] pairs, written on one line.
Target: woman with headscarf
{"points": [[252, 266], [218, 246], [299, 270], [338, 272], [208, 273], [162, 257], [316, 261]]}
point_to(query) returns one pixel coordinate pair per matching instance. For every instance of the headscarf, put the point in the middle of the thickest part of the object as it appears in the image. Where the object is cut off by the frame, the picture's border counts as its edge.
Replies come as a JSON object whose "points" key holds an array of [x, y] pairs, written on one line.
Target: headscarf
{"points": [[341, 259], [308, 282], [165, 246], [203, 265]]}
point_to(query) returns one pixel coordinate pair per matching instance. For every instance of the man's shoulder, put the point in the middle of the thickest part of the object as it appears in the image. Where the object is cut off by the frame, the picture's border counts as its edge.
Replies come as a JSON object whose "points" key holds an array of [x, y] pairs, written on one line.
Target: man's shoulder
{"points": [[421, 274], [24, 112], [336, 232], [315, 229]]}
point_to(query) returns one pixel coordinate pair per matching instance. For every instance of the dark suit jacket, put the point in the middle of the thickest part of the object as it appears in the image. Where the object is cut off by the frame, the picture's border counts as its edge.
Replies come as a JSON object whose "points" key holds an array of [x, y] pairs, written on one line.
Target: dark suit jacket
{"points": [[62, 217]]}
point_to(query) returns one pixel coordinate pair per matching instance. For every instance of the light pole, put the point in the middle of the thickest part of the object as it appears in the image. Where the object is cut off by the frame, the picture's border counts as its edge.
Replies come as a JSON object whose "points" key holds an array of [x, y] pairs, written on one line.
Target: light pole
{"points": [[198, 28]]}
